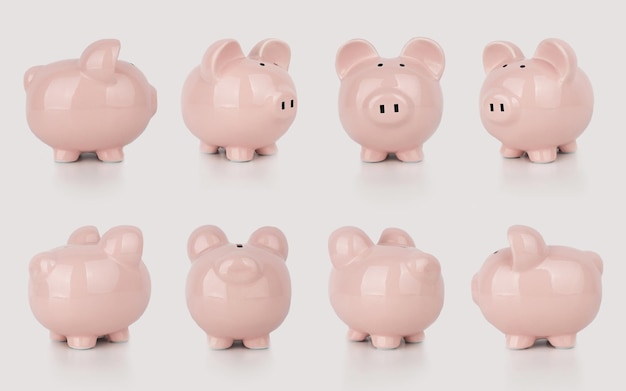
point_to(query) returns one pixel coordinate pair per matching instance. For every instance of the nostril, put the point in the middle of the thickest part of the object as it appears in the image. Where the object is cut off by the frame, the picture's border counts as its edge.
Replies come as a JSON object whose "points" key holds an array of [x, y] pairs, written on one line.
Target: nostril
{"points": [[396, 108], [382, 109], [282, 105], [502, 107], [491, 106], [292, 103], [239, 245]]}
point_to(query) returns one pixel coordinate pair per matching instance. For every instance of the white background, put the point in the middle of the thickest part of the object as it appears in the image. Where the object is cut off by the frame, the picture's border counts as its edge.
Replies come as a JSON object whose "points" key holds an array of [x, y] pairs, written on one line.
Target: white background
{"points": [[457, 203]]}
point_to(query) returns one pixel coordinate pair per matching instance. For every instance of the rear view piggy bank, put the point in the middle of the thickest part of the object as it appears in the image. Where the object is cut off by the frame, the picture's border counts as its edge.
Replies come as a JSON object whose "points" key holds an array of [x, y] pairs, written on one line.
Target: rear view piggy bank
{"points": [[388, 291], [537, 106], [532, 291], [92, 287], [238, 291], [96, 103], [241, 104], [390, 105]]}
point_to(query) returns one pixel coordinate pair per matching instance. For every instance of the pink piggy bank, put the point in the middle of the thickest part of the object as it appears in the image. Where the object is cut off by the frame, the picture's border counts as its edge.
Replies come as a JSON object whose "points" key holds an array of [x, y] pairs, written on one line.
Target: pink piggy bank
{"points": [[390, 105], [92, 287], [238, 291], [242, 104], [388, 291], [531, 291], [536, 106], [92, 104]]}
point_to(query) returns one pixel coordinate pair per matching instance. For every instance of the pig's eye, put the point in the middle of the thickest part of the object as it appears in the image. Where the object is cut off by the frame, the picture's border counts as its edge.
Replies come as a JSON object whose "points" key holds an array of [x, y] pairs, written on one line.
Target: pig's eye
{"points": [[380, 64], [401, 65], [262, 64], [505, 65], [522, 66], [495, 252]]}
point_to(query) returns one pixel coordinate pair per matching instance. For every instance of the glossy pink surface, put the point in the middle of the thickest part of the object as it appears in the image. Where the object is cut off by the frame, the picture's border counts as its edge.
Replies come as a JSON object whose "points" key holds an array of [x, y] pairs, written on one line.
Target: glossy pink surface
{"points": [[242, 104], [390, 105], [388, 291], [91, 287], [238, 291], [531, 291], [537, 106], [96, 103]]}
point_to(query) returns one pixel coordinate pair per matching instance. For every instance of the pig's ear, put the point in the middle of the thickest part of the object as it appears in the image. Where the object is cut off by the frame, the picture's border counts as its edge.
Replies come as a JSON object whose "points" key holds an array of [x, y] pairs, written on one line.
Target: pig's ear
{"points": [[596, 260], [397, 237], [499, 53], [124, 243], [84, 235], [271, 239], [427, 52], [347, 243], [527, 247], [352, 53], [272, 50], [560, 55], [424, 265], [30, 75], [204, 238], [217, 56], [99, 59]]}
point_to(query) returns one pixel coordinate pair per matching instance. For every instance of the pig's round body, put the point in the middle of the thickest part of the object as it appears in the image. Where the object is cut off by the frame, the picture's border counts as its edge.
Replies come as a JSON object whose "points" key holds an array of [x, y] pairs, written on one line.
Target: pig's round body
{"points": [[73, 112], [248, 106], [527, 108], [88, 294], [561, 296], [391, 108], [238, 293], [378, 294]]}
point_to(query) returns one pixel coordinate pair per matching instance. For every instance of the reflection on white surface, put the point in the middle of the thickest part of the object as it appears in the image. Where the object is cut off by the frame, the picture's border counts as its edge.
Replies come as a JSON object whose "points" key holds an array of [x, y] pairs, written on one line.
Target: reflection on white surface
{"points": [[393, 176], [88, 170], [216, 167], [562, 176]]}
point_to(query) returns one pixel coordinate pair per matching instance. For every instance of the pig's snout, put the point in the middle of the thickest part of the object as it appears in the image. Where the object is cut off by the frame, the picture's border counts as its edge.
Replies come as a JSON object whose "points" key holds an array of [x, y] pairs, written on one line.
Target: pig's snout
{"points": [[286, 104], [499, 107], [239, 269], [388, 107]]}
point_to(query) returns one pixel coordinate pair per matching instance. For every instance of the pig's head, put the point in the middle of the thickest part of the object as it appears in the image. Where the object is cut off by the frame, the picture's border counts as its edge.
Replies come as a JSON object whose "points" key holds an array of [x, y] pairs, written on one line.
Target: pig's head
{"points": [[390, 92], [237, 263], [350, 247], [259, 82], [515, 85]]}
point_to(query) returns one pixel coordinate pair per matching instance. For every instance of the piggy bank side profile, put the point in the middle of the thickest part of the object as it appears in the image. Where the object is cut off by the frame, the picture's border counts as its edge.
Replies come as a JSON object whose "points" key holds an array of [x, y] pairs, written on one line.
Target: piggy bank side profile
{"points": [[238, 103], [238, 292], [96, 103], [538, 106], [389, 291], [532, 291], [390, 105], [93, 287]]}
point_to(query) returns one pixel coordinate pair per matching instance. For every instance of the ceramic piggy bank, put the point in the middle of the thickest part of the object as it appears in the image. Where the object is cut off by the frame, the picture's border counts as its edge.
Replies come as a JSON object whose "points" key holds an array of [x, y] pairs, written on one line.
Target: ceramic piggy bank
{"points": [[536, 106], [238, 291], [241, 104], [92, 287], [388, 291], [531, 291], [96, 103], [390, 105]]}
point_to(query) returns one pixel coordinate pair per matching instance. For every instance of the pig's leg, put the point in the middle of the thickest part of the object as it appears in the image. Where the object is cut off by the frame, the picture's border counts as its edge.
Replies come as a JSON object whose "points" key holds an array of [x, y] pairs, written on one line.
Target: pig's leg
{"points": [[356, 336], [57, 337], [371, 156], [267, 150], [112, 155], [547, 155], [563, 341], [257, 343], [510, 153], [569, 147], [239, 154], [519, 341], [119, 336], [63, 156], [386, 342], [208, 148], [419, 337], [81, 342], [219, 343], [412, 155]]}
